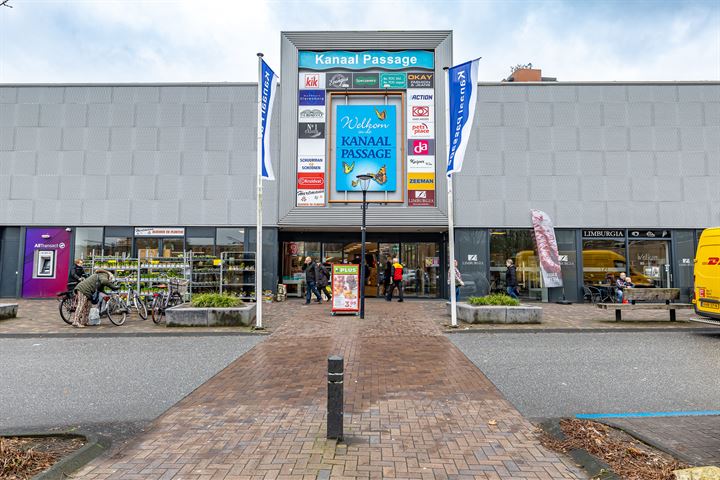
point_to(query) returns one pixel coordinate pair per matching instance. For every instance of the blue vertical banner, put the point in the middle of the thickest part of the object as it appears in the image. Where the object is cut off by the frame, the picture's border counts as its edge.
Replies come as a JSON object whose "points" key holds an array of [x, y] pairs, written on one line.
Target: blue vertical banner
{"points": [[462, 98], [267, 83]]}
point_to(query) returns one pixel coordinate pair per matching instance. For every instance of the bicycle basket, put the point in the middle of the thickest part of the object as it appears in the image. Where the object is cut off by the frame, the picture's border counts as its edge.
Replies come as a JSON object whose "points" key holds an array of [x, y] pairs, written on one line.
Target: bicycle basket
{"points": [[179, 285]]}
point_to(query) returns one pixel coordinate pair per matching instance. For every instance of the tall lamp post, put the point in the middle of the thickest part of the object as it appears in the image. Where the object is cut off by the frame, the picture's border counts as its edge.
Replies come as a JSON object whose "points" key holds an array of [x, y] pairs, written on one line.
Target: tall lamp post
{"points": [[364, 181]]}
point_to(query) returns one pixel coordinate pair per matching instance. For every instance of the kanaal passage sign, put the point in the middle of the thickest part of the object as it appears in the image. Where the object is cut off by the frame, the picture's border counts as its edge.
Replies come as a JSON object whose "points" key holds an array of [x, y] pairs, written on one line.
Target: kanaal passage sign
{"points": [[366, 144]]}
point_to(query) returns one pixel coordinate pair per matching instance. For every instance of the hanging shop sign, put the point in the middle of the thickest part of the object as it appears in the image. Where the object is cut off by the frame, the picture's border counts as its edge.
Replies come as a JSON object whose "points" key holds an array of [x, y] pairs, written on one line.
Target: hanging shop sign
{"points": [[393, 80], [345, 288], [603, 233], [159, 231], [366, 144], [366, 59]]}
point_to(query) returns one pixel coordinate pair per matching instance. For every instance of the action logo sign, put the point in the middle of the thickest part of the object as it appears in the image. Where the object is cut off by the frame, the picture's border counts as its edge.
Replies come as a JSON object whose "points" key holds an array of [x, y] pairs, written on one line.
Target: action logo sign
{"points": [[366, 144], [346, 288]]}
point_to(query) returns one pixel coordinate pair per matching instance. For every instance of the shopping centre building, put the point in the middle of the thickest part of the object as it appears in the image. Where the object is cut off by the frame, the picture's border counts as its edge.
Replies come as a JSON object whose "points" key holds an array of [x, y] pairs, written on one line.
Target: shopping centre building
{"points": [[628, 171]]}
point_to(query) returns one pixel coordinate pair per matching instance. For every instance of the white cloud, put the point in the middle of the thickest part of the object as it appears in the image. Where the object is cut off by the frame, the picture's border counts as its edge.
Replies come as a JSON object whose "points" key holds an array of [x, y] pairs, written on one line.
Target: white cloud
{"points": [[121, 41]]}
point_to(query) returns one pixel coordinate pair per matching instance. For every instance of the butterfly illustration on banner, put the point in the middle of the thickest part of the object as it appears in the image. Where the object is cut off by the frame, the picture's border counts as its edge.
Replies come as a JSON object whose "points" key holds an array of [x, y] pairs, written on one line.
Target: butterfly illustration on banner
{"points": [[381, 115], [380, 177], [348, 168]]}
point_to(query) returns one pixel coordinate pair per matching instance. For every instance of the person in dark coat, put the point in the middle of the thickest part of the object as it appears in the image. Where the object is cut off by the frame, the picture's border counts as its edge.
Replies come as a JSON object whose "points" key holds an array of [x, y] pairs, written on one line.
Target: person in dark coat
{"points": [[511, 279], [77, 272], [387, 276], [323, 280], [311, 277], [97, 282]]}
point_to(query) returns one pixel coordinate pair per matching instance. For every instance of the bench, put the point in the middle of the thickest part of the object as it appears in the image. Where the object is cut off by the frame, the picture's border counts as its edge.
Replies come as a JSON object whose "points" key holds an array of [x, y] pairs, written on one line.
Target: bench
{"points": [[619, 307], [664, 295], [8, 310]]}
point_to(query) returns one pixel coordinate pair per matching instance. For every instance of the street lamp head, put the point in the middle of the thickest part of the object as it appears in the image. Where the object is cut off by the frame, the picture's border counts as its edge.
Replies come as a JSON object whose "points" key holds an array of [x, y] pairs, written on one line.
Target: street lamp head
{"points": [[364, 180]]}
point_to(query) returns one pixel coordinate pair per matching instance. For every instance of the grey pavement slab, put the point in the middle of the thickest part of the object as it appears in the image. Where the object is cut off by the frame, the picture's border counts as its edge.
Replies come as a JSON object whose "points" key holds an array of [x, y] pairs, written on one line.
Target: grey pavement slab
{"points": [[66, 381], [563, 374]]}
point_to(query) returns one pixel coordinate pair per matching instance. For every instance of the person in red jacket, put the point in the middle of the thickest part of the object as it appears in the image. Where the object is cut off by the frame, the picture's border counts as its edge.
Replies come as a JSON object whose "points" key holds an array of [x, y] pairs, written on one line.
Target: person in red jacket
{"points": [[396, 274]]}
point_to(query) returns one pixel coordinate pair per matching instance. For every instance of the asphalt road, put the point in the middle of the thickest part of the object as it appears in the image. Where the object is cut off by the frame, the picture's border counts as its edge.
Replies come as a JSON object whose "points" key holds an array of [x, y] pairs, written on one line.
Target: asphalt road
{"points": [[562, 374], [69, 381]]}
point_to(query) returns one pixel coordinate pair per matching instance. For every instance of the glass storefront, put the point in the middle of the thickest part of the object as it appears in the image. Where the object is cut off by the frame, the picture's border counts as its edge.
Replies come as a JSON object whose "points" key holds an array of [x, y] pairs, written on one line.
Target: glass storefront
{"points": [[603, 260], [88, 241], [229, 240], [650, 263], [421, 259], [519, 246]]}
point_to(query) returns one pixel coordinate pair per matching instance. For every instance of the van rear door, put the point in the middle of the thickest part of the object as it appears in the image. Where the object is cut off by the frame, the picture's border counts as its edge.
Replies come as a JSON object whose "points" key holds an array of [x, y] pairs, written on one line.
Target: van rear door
{"points": [[707, 274]]}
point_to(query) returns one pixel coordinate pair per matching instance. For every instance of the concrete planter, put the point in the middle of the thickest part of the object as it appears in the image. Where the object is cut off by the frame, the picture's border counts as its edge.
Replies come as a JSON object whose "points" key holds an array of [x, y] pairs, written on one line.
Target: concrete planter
{"points": [[8, 310], [497, 314], [187, 316]]}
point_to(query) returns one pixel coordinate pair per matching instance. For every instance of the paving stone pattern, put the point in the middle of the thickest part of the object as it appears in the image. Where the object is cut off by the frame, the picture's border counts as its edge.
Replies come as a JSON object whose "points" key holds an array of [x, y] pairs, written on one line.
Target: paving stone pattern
{"points": [[415, 407], [695, 439]]}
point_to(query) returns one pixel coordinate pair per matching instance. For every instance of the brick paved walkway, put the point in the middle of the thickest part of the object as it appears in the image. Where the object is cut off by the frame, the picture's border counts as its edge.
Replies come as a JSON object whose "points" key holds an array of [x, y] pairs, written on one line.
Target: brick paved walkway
{"points": [[42, 317], [416, 407], [693, 439]]}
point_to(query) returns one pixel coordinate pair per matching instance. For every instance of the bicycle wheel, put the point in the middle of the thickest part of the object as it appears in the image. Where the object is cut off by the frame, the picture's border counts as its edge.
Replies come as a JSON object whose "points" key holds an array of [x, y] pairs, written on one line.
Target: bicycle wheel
{"points": [[116, 311], [157, 310], [140, 306], [175, 299], [67, 309]]}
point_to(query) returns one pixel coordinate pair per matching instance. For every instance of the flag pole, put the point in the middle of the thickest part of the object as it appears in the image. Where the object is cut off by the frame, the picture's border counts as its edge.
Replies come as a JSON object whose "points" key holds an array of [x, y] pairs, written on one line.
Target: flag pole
{"points": [[258, 240], [451, 221]]}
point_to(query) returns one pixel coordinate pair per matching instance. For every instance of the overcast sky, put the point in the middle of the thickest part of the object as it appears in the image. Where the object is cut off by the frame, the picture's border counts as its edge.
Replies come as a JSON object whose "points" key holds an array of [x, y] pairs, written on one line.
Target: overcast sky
{"points": [[216, 40]]}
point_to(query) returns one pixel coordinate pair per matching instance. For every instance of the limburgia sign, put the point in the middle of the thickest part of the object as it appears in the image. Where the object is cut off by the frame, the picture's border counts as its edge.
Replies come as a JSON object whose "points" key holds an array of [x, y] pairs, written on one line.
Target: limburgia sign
{"points": [[366, 59]]}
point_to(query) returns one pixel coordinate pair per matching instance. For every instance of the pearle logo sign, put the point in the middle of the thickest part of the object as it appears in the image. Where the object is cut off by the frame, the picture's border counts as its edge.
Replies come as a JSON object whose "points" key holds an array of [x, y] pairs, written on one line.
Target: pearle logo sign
{"points": [[420, 112]]}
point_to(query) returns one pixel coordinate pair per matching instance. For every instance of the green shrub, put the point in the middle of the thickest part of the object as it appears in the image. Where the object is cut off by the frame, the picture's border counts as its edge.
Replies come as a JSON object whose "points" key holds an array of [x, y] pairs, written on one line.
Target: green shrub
{"points": [[215, 300], [494, 299]]}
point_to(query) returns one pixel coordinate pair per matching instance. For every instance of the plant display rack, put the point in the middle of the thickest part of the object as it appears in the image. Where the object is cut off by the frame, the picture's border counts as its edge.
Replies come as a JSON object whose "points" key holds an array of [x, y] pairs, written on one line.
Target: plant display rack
{"points": [[205, 272], [237, 274], [157, 271], [125, 269]]}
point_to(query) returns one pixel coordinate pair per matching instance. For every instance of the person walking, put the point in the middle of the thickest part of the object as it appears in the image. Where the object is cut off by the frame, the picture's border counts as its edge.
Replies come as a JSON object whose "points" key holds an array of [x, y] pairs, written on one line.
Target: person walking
{"points": [[323, 280], [396, 273], [387, 276], [311, 276], [511, 283], [86, 291], [458, 280]]}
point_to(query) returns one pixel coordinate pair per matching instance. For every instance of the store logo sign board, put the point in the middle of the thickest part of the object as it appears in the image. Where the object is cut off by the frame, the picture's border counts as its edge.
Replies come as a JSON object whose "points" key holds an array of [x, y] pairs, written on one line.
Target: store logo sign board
{"points": [[339, 80], [421, 181], [420, 80], [312, 81], [421, 198], [366, 59], [311, 146], [366, 80], [393, 80], [366, 143], [421, 96], [311, 181], [311, 114], [424, 164], [308, 164], [159, 232], [421, 146], [599, 233], [311, 97], [311, 130], [310, 198], [421, 130], [420, 113]]}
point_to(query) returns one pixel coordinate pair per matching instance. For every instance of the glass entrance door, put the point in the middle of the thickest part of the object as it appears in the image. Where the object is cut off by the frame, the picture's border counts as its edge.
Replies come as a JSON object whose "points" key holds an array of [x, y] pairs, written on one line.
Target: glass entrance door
{"points": [[650, 263], [422, 269], [352, 253], [386, 253]]}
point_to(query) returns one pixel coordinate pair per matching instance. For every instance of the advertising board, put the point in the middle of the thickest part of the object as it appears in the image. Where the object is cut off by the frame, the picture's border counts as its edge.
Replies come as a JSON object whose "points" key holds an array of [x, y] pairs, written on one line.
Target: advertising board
{"points": [[311, 97], [311, 163], [47, 262], [313, 113], [345, 288], [366, 143], [421, 198], [420, 80], [366, 80], [393, 80], [405, 59], [310, 198], [311, 81], [339, 80], [311, 130]]}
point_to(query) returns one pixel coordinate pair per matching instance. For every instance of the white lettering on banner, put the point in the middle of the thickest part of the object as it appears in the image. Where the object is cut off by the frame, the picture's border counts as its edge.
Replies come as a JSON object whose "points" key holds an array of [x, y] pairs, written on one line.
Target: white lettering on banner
{"points": [[421, 164], [420, 130], [365, 124], [462, 80]]}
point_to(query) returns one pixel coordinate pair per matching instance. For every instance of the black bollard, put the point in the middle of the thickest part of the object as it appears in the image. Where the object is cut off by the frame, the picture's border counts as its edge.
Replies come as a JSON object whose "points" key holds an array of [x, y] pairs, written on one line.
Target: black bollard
{"points": [[335, 397]]}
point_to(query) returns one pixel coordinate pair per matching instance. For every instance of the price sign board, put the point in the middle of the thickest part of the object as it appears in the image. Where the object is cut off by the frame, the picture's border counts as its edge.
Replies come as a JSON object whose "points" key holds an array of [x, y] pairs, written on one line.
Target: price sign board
{"points": [[346, 288]]}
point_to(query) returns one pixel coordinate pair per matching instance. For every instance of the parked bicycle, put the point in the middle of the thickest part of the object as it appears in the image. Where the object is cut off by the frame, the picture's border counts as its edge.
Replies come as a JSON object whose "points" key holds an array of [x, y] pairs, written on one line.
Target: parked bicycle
{"points": [[133, 300], [67, 304], [111, 305], [170, 298]]}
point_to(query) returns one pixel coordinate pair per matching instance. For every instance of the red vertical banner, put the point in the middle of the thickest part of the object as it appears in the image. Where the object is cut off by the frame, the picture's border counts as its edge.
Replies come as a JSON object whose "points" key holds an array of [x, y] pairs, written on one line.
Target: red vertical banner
{"points": [[547, 249]]}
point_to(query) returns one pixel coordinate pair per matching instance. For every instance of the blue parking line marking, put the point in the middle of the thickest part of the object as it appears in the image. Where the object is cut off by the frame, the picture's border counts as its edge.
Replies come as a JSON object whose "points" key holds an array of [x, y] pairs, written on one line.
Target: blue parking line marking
{"points": [[692, 413]]}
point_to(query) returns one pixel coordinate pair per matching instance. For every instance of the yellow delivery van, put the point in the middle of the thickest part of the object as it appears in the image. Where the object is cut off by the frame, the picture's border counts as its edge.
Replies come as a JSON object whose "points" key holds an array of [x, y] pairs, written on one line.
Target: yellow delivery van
{"points": [[707, 275]]}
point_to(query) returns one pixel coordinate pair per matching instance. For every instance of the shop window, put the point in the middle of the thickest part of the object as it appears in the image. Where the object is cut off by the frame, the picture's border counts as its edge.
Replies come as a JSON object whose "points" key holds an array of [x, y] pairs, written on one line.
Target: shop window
{"points": [[294, 254], [333, 252], [603, 261], [230, 240], [519, 246], [88, 242], [118, 242], [200, 240], [650, 263]]}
